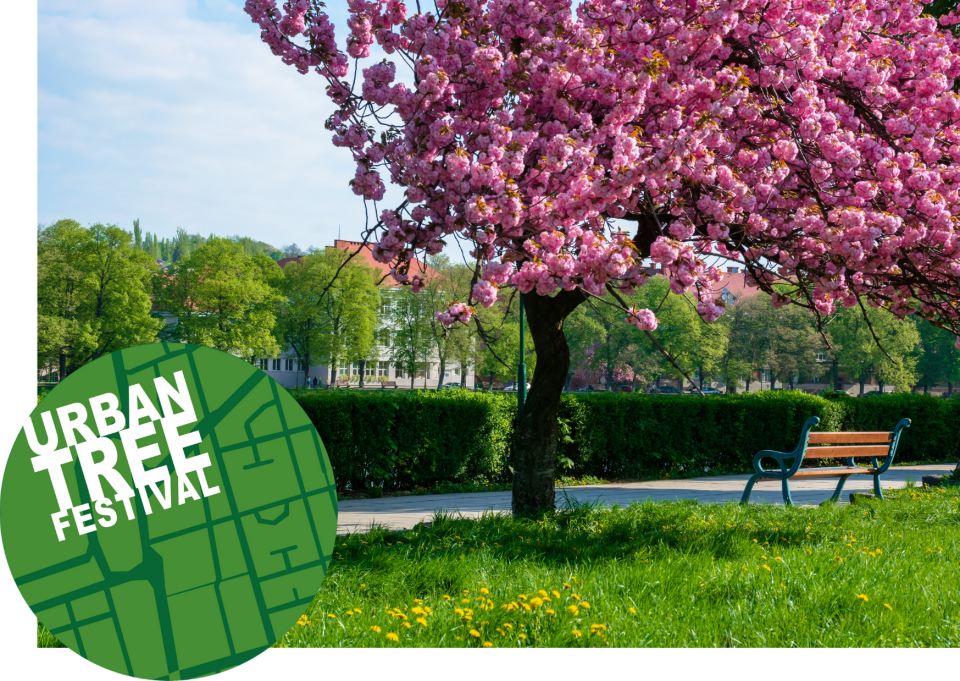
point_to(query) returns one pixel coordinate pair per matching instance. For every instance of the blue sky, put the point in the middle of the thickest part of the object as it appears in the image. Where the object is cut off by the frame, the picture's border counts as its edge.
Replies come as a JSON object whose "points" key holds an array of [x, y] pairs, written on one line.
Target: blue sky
{"points": [[176, 113]]}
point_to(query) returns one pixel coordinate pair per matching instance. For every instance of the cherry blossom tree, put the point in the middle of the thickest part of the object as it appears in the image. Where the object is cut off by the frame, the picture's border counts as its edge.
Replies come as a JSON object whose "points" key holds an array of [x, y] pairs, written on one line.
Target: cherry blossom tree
{"points": [[813, 142]]}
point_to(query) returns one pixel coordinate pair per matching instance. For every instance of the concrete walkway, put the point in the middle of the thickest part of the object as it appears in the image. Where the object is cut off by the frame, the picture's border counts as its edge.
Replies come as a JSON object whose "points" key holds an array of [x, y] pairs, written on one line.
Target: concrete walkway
{"points": [[402, 513]]}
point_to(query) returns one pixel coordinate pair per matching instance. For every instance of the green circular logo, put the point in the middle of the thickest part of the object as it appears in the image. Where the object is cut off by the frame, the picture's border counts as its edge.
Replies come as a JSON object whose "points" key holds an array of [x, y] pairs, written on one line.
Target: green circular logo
{"points": [[168, 511]]}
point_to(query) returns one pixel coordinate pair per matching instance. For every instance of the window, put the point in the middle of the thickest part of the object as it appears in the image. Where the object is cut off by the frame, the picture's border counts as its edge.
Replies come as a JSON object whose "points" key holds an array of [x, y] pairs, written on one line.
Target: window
{"points": [[765, 376], [423, 370], [344, 371], [288, 365], [276, 365], [383, 369], [400, 373], [369, 369], [456, 370], [383, 337], [264, 363], [300, 365], [822, 356]]}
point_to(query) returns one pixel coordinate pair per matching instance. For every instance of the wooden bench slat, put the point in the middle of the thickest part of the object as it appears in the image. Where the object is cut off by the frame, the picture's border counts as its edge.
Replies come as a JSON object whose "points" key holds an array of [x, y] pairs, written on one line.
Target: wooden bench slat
{"points": [[849, 438], [850, 450], [814, 473]]}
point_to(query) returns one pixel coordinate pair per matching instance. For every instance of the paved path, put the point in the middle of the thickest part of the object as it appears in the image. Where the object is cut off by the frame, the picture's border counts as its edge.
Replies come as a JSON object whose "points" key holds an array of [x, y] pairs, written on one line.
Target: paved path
{"points": [[402, 513]]}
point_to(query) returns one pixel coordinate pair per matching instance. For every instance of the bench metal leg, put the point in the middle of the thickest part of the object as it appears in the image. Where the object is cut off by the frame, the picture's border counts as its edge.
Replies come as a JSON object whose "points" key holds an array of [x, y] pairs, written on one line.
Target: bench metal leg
{"points": [[787, 499], [876, 487], [839, 490], [746, 493]]}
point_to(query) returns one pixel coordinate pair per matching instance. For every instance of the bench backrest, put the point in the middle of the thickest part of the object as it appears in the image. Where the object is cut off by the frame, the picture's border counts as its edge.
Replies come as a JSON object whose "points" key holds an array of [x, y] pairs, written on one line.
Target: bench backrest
{"points": [[843, 445]]}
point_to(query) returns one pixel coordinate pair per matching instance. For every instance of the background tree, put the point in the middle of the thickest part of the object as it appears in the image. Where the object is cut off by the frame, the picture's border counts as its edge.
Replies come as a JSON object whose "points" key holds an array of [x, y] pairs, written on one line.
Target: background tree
{"points": [[137, 235], [222, 300], [893, 362], [348, 310], [939, 359], [93, 291], [409, 320], [60, 275]]}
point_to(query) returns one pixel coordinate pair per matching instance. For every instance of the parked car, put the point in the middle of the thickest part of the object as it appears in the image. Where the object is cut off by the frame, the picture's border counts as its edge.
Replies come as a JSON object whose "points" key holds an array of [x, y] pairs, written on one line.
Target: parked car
{"points": [[666, 390], [448, 386], [623, 389], [512, 387], [707, 390]]}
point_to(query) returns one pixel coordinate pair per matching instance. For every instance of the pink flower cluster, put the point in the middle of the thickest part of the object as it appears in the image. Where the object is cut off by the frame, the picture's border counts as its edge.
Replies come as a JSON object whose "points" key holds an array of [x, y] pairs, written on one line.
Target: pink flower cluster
{"points": [[458, 312], [644, 319], [819, 141]]}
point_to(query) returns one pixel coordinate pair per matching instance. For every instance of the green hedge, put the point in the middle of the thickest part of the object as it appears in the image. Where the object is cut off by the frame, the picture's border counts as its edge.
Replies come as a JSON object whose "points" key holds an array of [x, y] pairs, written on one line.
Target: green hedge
{"points": [[398, 440], [405, 439]]}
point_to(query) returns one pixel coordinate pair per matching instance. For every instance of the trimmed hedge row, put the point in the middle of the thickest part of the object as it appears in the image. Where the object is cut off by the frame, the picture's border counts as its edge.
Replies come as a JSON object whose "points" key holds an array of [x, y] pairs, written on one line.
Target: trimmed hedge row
{"points": [[401, 440]]}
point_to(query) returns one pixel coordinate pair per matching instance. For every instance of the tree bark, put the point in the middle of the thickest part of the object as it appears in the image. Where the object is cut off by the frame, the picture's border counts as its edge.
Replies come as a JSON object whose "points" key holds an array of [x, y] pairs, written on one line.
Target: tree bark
{"points": [[363, 370], [443, 368], [535, 438]]}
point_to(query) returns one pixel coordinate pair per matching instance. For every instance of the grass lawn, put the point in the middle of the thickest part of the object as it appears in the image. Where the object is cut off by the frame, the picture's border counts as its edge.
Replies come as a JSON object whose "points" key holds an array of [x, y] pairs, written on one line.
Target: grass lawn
{"points": [[880, 573]]}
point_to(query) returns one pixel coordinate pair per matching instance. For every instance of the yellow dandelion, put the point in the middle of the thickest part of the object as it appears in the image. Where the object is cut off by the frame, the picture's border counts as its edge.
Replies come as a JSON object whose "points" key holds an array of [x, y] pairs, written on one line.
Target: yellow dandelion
{"points": [[551, 611], [595, 628], [575, 597], [392, 637], [633, 611], [303, 621], [523, 637], [576, 632], [485, 590], [487, 644], [863, 597], [406, 624], [887, 606], [446, 597], [418, 610], [584, 604], [331, 615], [536, 602], [422, 621], [375, 628], [475, 633], [573, 610], [541, 592], [766, 567], [507, 625], [566, 586], [556, 594]]}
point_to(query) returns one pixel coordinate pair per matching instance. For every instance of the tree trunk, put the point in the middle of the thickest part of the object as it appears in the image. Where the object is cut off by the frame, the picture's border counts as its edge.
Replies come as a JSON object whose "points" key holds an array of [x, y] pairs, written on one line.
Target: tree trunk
{"points": [[862, 381], [463, 375], [63, 366], [747, 389], [490, 387], [701, 377], [535, 439], [949, 389], [363, 370], [306, 369], [443, 367]]}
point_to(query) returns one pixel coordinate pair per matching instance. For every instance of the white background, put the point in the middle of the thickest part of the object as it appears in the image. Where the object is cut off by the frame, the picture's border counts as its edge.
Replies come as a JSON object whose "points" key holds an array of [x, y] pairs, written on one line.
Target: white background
{"points": [[19, 657]]}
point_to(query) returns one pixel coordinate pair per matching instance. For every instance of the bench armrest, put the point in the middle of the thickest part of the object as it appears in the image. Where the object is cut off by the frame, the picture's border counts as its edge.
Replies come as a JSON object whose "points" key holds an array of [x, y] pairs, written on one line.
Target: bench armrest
{"points": [[796, 455], [904, 423]]}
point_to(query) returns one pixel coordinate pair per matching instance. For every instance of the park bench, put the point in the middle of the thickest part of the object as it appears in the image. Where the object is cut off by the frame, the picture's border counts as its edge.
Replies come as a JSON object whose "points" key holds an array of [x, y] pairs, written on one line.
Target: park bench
{"points": [[388, 384], [830, 446], [343, 383]]}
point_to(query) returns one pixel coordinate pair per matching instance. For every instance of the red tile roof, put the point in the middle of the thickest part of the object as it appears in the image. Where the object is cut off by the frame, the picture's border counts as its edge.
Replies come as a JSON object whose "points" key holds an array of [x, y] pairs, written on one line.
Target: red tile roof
{"points": [[365, 256]]}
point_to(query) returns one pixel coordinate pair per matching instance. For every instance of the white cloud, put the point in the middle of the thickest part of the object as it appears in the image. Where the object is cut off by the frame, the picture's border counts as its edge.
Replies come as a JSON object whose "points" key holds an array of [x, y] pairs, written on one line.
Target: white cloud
{"points": [[176, 113]]}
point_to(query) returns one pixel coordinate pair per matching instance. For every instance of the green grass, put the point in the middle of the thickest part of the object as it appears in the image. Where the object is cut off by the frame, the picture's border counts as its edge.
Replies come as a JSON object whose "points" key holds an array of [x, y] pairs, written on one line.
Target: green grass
{"points": [[653, 574], [880, 573]]}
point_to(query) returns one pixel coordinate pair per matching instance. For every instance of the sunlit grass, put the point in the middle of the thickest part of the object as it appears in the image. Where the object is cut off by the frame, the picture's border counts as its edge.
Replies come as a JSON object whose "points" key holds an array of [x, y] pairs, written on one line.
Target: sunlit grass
{"points": [[880, 573]]}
